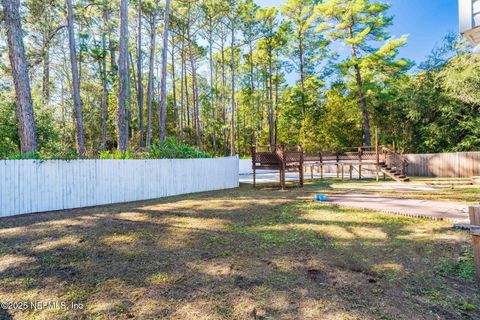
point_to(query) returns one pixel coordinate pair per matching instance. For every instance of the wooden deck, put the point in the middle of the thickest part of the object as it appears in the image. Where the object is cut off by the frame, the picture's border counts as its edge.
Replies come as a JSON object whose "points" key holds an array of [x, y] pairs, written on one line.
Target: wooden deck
{"points": [[382, 159], [280, 159]]}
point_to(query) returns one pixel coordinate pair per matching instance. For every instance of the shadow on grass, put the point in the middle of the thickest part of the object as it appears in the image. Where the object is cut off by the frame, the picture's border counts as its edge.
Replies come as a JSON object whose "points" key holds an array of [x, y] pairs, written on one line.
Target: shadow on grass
{"points": [[239, 253], [4, 314]]}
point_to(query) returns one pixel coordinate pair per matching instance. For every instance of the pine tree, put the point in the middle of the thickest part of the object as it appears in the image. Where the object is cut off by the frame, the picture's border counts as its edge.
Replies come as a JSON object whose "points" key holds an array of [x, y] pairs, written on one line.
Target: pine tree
{"points": [[359, 24], [123, 91], [75, 80], [18, 61]]}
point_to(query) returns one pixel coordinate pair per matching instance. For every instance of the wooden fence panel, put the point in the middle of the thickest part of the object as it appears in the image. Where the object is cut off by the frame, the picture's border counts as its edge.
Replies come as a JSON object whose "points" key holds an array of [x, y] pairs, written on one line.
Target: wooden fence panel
{"points": [[28, 186], [444, 165]]}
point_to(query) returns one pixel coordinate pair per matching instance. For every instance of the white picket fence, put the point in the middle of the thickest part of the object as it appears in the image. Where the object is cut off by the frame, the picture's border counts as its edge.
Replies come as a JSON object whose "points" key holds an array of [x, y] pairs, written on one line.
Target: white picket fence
{"points": [[28, 186]]}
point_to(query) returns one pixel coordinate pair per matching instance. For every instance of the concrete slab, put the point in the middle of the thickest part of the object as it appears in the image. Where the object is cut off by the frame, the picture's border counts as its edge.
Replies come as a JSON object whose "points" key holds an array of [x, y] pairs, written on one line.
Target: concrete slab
{"points": [[390, 186], [451, 211], [272, 177]]}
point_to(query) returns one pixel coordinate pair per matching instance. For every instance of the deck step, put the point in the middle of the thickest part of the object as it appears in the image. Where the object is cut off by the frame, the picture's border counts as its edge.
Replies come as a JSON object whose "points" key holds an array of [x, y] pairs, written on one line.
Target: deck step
{"points": [[394, 174]]}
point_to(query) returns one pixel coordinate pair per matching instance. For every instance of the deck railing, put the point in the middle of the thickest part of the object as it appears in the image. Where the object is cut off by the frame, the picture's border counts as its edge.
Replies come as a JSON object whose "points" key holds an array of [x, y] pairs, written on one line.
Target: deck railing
{"points": [[395, 160], [364, 154], [283, 157]]}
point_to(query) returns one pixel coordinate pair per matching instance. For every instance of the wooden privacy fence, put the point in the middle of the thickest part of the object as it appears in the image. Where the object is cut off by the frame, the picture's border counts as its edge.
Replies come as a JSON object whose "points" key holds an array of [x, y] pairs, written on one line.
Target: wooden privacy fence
{"points": [[448, 165], [28, 186]]}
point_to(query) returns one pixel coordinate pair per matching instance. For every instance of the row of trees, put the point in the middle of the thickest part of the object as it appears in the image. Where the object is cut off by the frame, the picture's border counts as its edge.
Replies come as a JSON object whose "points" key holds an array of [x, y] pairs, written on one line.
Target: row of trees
{"points": [[227, 75]]}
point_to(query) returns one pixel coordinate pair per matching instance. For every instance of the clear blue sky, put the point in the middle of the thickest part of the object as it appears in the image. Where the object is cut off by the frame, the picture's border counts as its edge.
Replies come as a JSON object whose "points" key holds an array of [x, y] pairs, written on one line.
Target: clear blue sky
{"points": [[425, 21]]}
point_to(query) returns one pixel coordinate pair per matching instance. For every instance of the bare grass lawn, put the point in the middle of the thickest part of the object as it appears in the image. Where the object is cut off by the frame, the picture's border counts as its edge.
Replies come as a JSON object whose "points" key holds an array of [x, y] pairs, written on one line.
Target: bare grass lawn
{"points": [[236, 254]]}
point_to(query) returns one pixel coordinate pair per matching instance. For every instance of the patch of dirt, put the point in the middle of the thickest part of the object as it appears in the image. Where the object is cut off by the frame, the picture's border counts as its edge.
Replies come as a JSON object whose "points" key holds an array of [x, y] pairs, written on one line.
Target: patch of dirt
{"points": [[317, 276]]}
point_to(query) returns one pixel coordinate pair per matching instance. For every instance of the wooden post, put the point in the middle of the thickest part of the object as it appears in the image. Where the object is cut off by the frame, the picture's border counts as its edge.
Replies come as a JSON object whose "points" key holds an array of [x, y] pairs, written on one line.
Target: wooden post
{"points": [[254, 152], [377, 154], [343, 173], [282, 178], [338, 165], [476, 251], [300, 149], [283, 167], [320, 167], [360, 163], [474, 212], [350, 170]]}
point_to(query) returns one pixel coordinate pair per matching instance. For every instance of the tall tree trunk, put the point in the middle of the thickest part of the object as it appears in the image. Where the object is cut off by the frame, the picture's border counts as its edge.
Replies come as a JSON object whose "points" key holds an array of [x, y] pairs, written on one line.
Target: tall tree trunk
{"points": [[46, 74], [174, 89], [111, 46], [123, 94], [150, 88], [302, 71], [64, 111], [245, 134], [252, 92], [261, 88], [361, 95], [68, 134], [215, 105], [276, 103], [182, 70], [224, 105], [103, 71], [131, 74], [212, 96], [232, 121], [196, 116], [75, 81], [187, 97], [363, 103], [103, 68], [140, 75], [270, 100], [196, 121], [19, 65], [163, 94]]}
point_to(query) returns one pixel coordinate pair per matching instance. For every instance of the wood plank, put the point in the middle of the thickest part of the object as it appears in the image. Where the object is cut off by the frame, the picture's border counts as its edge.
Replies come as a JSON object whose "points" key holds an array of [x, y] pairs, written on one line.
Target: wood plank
{"points": [[474, 213], [476, 252], [445, 165]]}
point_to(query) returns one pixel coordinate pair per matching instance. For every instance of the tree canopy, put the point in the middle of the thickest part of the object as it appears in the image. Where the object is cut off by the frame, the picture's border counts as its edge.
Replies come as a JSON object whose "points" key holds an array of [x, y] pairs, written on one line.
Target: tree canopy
{"points": [[224, 76]]}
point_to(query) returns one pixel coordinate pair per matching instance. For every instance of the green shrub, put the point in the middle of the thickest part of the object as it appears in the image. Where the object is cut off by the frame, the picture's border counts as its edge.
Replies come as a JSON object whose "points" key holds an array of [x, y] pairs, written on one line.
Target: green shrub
{"points": [[173, 149], [26, 156], [44, 154], [170, 149], [116, 154]]}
